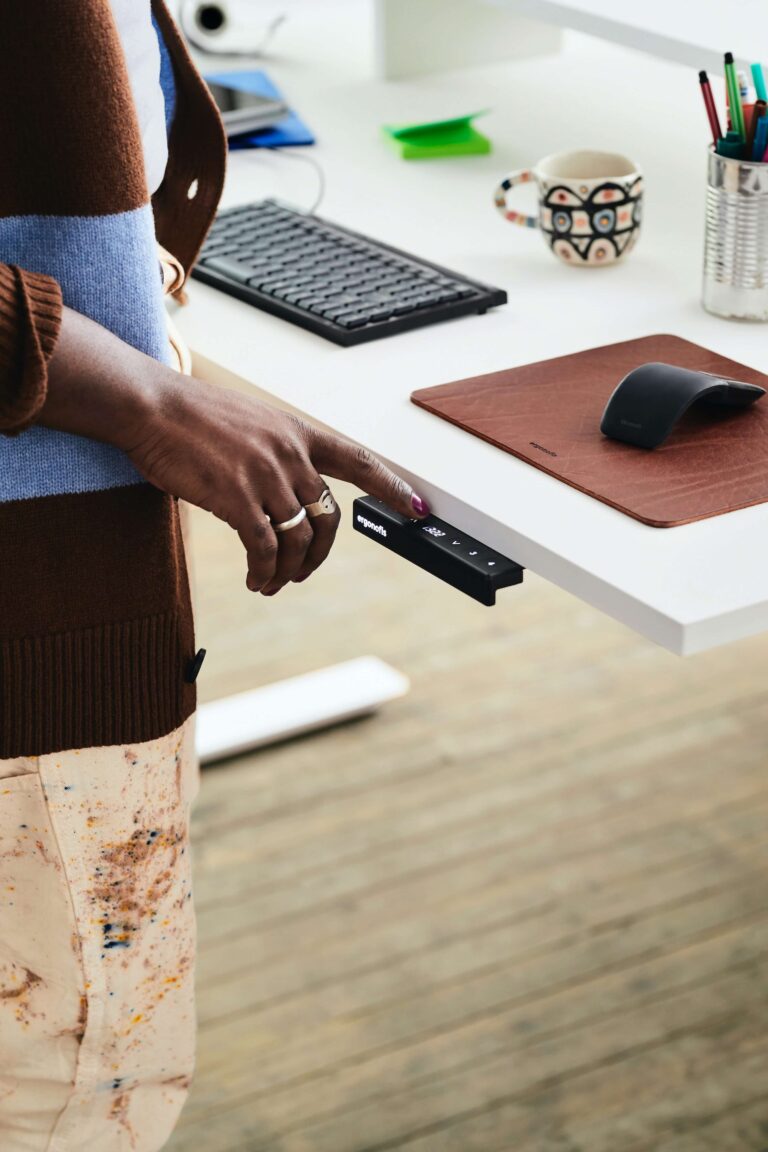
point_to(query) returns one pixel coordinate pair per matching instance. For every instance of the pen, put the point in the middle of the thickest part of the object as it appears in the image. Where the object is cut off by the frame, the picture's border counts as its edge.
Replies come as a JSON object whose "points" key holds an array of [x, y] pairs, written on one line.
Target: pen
{"points": [[759, 110], [759, 81], [741, 76], [761, 139], [734, 100], [709, 104]]}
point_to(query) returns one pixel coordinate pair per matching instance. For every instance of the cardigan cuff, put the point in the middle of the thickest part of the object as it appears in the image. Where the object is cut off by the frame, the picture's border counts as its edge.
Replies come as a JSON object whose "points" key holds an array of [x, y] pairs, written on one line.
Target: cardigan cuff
{"points": [[30, 321]]}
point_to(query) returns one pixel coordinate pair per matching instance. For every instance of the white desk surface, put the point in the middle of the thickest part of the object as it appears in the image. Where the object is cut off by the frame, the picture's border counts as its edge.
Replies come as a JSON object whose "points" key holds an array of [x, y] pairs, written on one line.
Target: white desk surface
{"points": [[687, 588], [694, 34]]}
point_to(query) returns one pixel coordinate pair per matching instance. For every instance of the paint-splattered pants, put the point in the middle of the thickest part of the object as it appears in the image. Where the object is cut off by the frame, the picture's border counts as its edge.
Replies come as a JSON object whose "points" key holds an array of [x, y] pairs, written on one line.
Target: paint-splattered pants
{"points": [[97, 941]]}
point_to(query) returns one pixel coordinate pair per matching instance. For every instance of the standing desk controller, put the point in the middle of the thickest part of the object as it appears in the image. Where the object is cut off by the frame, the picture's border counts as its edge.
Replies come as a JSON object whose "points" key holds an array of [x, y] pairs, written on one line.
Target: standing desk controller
{"points": [[438, 548]]}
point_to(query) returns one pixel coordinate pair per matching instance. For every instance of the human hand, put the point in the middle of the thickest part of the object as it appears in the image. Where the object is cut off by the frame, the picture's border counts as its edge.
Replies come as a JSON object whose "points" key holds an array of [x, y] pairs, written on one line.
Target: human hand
{"points": [[250, 464], [255, 467]]}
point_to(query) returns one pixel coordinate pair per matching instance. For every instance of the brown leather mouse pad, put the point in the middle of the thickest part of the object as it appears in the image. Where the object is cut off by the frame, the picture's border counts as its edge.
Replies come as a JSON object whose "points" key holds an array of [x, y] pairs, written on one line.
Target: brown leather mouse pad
{"points": [[549, 413]]}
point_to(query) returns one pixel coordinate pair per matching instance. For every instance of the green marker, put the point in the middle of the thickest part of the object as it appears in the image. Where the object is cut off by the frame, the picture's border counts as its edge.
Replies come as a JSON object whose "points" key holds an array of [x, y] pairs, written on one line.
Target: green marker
{"points": [[731, 145], [759, 81], [734, 99]]}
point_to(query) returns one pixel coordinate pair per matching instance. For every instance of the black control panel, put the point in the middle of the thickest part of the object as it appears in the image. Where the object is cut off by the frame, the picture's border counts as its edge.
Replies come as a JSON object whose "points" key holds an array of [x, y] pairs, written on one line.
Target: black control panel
{"points": [[439, 549]]}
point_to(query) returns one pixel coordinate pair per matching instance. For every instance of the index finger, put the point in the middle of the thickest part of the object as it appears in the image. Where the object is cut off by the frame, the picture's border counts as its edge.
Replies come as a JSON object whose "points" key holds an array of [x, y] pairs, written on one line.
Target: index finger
{"points": [[347, 461]]}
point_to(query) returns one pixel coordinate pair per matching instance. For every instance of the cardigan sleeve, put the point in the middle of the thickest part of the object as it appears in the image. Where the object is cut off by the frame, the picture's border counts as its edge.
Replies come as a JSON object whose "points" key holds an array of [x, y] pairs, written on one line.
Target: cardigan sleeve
{"points": [[30, 319]]}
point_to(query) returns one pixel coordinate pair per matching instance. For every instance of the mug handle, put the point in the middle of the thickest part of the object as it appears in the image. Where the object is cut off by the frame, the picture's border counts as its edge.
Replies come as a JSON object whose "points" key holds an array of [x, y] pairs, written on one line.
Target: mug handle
{"points": [[522, 176]]}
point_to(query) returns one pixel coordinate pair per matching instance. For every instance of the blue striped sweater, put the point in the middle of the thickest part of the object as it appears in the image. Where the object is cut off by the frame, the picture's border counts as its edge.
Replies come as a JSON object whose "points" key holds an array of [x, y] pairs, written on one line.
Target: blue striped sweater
{"points": [[95, 620]]}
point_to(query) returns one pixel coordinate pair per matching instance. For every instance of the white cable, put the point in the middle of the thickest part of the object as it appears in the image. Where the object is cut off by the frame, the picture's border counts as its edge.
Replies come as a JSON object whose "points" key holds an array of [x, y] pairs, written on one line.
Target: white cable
{"points": [[313, 163]]}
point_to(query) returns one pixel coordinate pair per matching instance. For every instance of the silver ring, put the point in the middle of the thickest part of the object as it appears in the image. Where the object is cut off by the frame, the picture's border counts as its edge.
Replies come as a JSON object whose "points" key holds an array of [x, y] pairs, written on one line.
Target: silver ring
{"points": [[325, 505], [292, 523]]}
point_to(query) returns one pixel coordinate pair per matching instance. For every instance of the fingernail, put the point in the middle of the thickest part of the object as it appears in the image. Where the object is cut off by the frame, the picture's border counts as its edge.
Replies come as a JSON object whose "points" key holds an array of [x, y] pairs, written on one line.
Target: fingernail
{"points": [[420, 505], [272, 593], [301, 579], [250, 584]]}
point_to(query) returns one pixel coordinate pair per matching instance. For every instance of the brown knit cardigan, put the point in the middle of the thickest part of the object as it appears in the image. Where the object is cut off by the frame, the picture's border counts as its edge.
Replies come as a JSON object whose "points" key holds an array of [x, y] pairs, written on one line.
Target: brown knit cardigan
{"points": [[96, 630]]}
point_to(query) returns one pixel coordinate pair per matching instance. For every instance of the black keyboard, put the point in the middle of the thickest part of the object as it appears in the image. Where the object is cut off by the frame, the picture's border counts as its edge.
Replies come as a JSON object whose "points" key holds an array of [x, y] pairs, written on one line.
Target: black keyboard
{"points": [[334, 282]]}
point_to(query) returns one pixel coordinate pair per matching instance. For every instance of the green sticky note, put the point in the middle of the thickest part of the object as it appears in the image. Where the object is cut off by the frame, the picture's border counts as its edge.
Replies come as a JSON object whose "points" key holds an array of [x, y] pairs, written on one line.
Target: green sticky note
{"points": [[455, 137]]}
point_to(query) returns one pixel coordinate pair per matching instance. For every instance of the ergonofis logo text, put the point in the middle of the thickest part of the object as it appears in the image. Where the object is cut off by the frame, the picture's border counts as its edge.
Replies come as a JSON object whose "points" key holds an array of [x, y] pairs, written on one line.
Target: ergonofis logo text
{"points": [[379, 529]]}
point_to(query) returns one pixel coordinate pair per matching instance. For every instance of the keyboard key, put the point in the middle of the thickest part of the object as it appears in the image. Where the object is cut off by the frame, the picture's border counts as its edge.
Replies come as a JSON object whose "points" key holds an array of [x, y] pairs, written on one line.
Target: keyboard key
{"points": [[368, 283], [335, 277], [234, 269], [272, 287], [236, 228], [355, 320], [335, 309], [379, 300], [268, 275], [222, 249], [306, 290], [422, 301]]}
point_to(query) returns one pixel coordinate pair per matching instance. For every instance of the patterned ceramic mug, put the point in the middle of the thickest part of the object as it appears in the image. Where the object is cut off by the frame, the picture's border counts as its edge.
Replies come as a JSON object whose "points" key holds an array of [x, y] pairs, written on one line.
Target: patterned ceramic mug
{"points": [[590, 205]]}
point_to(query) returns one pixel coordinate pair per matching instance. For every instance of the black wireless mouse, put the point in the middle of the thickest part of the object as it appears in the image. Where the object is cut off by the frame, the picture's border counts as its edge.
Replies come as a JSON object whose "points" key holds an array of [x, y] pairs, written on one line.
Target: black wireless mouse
{"points": [[650, 400]]}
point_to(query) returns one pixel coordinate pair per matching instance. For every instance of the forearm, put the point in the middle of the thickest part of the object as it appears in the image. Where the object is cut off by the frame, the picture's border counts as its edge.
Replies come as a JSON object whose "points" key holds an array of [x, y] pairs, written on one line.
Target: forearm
{"points": [[101, 387]]}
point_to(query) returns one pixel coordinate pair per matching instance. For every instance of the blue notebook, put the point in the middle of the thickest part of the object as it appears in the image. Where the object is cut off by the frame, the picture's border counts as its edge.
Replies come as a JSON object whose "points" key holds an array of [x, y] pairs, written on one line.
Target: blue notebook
{"points": [[288, 132]]}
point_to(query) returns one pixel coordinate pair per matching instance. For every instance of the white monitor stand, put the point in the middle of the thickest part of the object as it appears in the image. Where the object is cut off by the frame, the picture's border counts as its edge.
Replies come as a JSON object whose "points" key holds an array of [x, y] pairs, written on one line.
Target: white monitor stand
{"points": [[416, 37]]}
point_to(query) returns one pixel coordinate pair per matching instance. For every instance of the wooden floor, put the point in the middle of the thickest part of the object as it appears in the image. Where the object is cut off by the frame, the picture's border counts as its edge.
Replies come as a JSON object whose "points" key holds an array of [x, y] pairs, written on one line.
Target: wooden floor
{"points": [[525, 908]]}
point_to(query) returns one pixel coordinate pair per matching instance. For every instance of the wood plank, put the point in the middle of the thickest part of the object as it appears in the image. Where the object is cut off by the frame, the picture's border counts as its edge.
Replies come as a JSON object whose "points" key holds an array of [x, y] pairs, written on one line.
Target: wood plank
{"points": [[305, 1036], [536, 1125], [471, 822], [558, 1069], [373, 935], [507, 1031], [739, 1127]]}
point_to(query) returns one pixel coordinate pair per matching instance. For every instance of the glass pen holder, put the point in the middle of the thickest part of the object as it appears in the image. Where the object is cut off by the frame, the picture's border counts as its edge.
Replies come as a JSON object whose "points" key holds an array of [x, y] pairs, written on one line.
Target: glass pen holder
{"points": [[736, 239]]}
